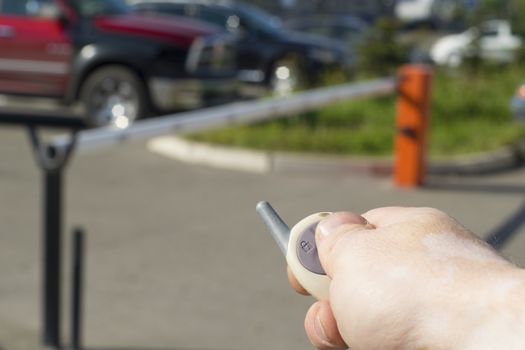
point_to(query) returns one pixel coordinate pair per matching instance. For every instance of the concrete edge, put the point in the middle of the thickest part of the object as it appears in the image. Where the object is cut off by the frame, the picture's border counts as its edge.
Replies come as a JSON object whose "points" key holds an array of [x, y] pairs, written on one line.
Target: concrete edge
{"points": [[211, 155], [506, 158], [232, 158]]}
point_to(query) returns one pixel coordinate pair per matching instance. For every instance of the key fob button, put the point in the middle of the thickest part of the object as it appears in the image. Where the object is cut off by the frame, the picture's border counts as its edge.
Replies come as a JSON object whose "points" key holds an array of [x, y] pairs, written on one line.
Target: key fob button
{"points": [[307, 251]]}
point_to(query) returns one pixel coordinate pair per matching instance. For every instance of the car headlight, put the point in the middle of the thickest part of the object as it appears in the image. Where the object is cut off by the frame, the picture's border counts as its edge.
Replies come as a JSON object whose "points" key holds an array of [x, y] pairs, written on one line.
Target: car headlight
{"points": [[323, 55]]}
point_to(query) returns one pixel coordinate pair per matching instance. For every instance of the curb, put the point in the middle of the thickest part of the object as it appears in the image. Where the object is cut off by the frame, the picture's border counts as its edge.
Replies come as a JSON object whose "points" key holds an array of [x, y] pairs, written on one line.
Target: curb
{"points": [[211, 155], [261, 162], [507, 158]]}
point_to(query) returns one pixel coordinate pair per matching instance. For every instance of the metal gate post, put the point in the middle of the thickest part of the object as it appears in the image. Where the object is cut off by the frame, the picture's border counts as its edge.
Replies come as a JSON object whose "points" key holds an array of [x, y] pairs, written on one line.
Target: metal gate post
{"points": [[52, 254], [52, 162]]}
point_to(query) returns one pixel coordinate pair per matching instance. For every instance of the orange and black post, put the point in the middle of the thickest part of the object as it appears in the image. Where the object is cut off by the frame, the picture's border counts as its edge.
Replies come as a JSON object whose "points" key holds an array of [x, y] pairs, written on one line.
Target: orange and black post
{"points": [[413, 121]]}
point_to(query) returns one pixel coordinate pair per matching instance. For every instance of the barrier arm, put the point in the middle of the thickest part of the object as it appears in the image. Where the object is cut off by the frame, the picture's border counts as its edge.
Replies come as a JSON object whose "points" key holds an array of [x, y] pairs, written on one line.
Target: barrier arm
{"points": [[231, 114]]}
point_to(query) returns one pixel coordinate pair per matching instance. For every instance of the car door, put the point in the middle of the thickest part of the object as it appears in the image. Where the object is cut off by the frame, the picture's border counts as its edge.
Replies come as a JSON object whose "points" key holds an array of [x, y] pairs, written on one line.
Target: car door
{"points": [[490, 42], [35, 49]]}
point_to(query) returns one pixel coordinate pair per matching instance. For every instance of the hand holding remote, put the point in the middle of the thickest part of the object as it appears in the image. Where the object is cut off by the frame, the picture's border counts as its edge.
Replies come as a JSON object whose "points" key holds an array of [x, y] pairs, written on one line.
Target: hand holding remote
{"points": [[413, 278]]}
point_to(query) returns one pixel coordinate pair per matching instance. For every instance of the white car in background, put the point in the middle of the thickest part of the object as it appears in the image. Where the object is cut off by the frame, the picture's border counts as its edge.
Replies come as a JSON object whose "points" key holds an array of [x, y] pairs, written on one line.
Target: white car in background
{"points": [[410, 11], [437, 13], [496, 43]]}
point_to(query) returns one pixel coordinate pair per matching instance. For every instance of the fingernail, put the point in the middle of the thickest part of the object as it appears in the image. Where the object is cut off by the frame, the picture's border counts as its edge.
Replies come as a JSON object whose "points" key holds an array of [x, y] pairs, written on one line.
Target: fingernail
{"points": [[331, 223], [319, 329]]}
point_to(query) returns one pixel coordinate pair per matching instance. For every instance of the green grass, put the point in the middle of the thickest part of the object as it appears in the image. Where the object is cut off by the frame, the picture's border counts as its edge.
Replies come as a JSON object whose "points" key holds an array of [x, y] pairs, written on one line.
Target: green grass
{"points": [[470, 114]]}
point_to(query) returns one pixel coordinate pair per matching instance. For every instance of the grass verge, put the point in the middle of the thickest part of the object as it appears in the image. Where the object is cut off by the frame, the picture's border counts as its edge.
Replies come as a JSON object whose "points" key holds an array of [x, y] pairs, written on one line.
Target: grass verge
{"points": [[470, 114]]}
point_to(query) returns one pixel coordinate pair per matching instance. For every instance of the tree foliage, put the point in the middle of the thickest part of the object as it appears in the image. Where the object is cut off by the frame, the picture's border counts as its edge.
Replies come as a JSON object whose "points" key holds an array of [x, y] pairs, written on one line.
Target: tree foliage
{"points": [[381, 53], [516, 13]]}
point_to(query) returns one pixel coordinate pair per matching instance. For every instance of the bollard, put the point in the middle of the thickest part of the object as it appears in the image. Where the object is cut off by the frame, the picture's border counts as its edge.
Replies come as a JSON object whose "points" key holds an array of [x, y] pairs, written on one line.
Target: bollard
{"points": [[413, 119]]}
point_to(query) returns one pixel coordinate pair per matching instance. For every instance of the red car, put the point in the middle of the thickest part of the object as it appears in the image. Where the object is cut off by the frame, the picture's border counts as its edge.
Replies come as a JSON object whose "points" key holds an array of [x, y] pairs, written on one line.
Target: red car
{"points": [[119, 65]]}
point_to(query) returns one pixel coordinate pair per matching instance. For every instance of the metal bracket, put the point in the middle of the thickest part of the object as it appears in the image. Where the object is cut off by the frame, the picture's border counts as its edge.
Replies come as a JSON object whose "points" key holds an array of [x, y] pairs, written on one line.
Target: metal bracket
{"points": [[49, 157]]}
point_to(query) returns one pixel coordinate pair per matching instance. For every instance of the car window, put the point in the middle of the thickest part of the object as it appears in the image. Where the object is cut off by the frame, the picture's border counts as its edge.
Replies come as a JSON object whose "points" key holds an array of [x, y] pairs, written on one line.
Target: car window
{"points": [[174, 9], [210, 15], [166, 8], [259, 20], [23, 7], [92, 8], [489, 32], [347, 34], [489, 29]]}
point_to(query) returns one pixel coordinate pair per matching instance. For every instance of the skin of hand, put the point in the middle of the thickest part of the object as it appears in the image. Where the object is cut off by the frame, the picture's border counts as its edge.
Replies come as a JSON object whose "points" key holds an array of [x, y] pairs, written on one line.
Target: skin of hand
{"points": [[413, 278]]}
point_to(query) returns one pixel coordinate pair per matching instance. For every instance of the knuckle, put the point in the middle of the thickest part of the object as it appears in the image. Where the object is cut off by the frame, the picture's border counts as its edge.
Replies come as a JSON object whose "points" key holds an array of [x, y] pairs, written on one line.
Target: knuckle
{"points": [[433, 215]]}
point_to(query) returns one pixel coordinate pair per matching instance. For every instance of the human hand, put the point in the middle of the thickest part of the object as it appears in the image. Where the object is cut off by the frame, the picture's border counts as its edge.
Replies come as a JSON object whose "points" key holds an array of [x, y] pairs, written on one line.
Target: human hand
{"points": [[413, 278]]}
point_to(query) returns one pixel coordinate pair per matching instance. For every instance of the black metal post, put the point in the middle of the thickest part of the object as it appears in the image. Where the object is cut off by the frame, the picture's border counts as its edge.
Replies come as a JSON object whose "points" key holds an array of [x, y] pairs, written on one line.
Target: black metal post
{"points": [[52, 255], [77, 277], [52, 162]]}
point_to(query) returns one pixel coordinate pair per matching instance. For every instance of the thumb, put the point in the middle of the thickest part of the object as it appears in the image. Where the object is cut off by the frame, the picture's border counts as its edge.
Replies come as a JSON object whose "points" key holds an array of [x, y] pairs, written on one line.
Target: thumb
{"points": [[330, 233]]}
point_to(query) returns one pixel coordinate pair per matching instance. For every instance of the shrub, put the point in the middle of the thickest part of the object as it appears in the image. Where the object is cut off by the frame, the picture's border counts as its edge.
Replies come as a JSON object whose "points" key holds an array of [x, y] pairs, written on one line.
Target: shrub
{"points": [[381, 53]]}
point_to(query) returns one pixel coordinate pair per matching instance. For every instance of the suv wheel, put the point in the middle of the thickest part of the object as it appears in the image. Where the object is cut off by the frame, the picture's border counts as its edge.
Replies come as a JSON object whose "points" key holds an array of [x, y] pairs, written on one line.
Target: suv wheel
{"points": [[286, 76], [113, 96]]}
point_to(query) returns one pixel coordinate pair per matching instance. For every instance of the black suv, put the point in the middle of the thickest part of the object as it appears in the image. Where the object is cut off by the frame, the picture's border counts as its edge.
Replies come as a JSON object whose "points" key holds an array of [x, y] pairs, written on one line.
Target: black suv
{"points": [[117, 64], [267, 52]]}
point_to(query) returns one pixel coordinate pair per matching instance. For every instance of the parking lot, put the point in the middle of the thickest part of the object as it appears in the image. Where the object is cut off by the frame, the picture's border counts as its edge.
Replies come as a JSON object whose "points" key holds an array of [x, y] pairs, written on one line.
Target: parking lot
{"points": [[177, 257]]}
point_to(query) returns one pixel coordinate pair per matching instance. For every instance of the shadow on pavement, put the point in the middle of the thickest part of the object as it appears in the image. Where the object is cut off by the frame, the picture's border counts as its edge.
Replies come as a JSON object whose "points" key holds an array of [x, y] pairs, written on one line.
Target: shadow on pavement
{"points": [[440, 185], [501, 235]]}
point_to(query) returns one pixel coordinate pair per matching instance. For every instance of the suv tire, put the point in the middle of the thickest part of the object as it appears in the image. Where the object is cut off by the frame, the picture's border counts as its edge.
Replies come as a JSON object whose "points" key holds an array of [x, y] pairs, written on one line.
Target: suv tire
{"points": [[114, 96]]}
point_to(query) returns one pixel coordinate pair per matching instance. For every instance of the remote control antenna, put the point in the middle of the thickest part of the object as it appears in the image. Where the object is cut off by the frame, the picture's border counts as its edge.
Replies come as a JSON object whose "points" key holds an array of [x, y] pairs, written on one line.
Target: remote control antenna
{"points": [[277, 227]]}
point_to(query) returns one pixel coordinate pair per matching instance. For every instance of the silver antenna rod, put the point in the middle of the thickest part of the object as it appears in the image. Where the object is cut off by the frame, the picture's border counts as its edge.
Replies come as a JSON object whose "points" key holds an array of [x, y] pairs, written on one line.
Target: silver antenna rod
{"points": [[277, 227]]}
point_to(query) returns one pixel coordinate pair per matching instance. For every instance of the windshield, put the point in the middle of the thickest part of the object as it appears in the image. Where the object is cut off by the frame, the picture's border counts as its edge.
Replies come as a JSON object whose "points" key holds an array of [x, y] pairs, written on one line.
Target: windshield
{"points": [[259, 19], [90, 8]]}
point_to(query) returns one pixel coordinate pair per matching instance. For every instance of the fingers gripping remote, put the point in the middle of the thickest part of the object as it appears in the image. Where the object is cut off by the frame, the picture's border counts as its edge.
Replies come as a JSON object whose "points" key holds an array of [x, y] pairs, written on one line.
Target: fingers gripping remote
{"points": [[300, 249]]}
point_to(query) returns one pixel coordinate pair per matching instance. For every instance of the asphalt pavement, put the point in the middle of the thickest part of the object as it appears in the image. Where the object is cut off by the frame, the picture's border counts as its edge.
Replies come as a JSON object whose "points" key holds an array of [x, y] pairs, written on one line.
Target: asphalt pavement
{"points": [[177, 258]]}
